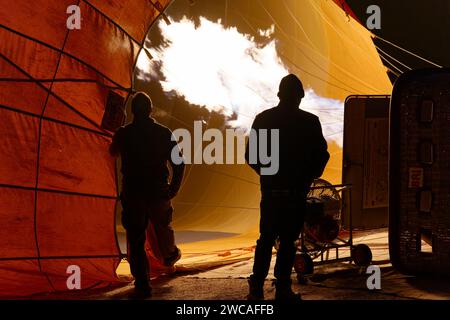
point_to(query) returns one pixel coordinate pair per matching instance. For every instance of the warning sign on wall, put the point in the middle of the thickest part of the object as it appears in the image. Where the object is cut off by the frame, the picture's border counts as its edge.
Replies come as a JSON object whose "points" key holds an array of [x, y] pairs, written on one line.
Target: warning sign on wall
{"points": [[415, 178]]}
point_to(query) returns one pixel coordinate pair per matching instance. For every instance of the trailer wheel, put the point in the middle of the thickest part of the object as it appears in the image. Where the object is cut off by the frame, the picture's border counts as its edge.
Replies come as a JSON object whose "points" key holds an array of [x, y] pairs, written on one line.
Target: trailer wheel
{"points": [[303, 264], [361, 255]]}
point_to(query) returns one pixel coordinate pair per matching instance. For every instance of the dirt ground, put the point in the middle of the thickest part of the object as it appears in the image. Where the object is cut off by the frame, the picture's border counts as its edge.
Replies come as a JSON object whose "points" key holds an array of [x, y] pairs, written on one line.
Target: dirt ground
{"points": [[335, 282]]}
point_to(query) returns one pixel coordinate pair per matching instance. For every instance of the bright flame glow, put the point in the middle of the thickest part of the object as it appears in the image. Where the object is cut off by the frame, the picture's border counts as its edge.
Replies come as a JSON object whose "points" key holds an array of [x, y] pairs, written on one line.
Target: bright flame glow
{"points": [[229, 72]]}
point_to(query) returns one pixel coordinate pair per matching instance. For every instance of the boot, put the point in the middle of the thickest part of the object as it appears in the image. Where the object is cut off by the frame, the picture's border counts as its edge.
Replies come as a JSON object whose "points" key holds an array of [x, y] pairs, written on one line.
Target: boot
{"points": [[256, 289], [174, 257], [284, 292], [142, 290]]}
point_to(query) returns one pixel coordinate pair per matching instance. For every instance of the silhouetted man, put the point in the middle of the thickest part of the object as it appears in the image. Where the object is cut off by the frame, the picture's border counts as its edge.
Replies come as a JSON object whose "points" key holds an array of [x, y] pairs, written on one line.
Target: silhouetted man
{"points": [[145, 148], [303, 156]]}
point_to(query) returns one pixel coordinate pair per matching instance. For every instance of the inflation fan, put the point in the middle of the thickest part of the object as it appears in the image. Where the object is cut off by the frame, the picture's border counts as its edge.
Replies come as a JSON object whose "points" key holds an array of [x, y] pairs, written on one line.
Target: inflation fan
{"points": [[323, 240]]}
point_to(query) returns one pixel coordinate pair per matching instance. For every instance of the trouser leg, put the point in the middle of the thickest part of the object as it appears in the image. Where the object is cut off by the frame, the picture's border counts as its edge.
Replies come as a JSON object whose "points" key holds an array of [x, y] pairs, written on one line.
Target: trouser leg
{"points": [[290, 229], [137, 257], [285, 257], [135, 221], [264, 245], [263, 256], [161, 219]]}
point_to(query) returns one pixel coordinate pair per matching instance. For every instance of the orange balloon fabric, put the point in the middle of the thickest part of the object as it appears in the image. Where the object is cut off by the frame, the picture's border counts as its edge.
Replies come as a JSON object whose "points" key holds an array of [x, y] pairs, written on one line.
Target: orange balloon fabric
{"points": [[58, 186]]}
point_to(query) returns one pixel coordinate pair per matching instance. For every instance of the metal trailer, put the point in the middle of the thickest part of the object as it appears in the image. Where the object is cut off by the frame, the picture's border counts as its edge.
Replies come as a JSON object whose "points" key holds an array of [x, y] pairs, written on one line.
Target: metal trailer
{"points": [[419, 172], [326, 202]]}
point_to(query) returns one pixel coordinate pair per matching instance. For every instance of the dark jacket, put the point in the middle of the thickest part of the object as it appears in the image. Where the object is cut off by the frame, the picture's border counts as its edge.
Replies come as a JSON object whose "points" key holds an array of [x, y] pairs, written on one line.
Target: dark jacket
{"points": [[145, 148], [302, 148]]}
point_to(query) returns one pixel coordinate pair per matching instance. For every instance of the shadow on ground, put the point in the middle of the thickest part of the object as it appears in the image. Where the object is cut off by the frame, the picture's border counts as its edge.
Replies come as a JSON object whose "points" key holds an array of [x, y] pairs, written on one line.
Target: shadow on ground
{"points": [[341, 281]]}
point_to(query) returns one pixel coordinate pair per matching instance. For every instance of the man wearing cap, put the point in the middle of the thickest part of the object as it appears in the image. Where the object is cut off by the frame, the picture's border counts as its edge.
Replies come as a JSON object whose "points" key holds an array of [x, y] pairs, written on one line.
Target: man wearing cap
{"points": [[145, 148], [303, 156]]}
